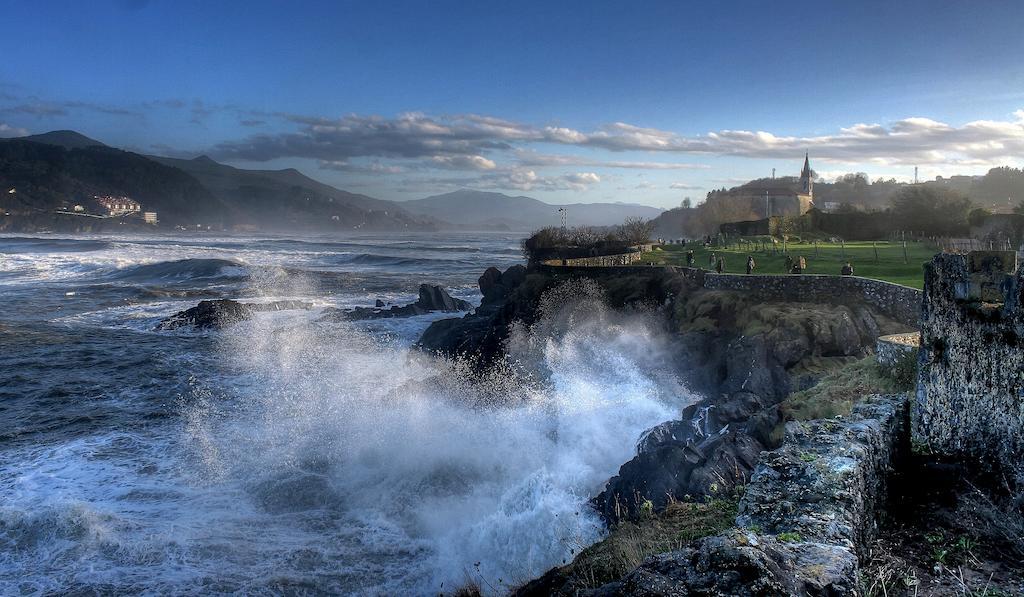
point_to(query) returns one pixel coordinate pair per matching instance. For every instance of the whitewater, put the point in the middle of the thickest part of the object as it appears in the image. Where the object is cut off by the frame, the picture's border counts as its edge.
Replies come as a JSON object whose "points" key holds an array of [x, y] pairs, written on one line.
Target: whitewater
{"points": [[287, 455]]}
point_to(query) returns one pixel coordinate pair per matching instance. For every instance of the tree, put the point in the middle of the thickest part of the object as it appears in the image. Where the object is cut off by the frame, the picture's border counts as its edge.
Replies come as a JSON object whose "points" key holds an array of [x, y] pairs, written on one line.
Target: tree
{"points": [[977, 216], [687, 203], [932, 210], [636, 231]]}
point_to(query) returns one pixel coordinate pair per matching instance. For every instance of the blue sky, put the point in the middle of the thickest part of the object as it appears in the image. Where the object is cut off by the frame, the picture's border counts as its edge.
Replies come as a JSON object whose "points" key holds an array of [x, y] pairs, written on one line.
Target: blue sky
{"points": [[567, 102]]}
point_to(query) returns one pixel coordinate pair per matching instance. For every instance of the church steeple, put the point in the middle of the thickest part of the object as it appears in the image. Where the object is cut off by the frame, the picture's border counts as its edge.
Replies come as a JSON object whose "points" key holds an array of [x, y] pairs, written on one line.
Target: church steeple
{"points": [[806, 182]]}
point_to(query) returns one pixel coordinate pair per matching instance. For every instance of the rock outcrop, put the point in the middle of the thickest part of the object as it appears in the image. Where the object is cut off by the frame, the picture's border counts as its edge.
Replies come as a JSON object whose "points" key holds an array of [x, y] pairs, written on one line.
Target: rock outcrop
{"points": [[432, 298], [215, 314], [482, 332], [807, 517], [746, 357]]}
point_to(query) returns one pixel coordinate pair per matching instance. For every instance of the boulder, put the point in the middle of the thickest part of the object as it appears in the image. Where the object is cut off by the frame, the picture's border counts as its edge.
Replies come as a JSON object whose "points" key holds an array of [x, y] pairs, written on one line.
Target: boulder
{"points": [[489, 280], [674, 462], [435, 298]]}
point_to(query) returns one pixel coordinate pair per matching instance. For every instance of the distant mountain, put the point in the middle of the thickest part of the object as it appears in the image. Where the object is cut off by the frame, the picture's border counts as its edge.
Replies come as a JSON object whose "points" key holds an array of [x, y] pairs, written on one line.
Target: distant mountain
{"points": [[276, 198], [65, 139], [60, 169], [483, 210]]}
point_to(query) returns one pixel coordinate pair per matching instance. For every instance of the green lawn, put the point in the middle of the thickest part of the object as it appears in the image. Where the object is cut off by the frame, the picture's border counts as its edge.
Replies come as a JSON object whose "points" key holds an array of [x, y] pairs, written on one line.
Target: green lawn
{"points": [[824, 258]]}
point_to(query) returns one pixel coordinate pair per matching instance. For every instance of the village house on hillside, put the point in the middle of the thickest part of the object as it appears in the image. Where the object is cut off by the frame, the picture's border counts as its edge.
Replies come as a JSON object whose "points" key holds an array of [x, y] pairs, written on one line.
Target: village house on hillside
{"points": [[786, 196], [117, 206]]}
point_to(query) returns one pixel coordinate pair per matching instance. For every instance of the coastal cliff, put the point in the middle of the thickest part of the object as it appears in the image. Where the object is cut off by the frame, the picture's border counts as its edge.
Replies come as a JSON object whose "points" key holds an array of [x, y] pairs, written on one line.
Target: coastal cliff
{"points": [[806, 468]]}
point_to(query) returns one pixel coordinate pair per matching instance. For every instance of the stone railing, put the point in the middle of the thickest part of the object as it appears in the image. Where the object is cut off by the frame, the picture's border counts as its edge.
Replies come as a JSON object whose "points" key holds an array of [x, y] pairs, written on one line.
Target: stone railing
{"points": [[618, 259], [599, 261]]}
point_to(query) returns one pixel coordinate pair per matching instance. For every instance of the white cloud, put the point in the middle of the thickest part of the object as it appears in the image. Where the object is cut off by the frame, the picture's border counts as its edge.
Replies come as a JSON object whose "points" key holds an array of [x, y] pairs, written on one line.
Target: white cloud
{"points": [[7, 131], [463, 162], [465, 141], [682, 186]]}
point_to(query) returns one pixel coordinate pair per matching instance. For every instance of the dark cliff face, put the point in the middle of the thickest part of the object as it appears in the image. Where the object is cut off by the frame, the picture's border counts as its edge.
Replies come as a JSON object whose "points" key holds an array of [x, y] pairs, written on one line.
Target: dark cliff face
{"points": [[515, 295]]}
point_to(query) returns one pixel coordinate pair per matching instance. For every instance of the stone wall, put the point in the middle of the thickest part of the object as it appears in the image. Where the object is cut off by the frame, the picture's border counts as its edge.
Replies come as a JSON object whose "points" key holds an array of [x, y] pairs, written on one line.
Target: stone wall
{"points": [[970, 395], [901, 303], [891, 350], [807, 519], [600, 261]]}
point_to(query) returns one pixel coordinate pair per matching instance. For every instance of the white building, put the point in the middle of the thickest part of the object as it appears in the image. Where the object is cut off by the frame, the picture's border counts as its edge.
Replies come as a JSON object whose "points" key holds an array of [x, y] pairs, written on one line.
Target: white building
{"points": [[149, 217], [118, 206]]}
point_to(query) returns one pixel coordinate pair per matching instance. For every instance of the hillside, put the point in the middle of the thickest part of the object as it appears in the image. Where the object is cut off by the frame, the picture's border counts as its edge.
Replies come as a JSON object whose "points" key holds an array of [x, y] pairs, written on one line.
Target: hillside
{"points": [[272, 198], [483, 210], [48, 177], [59, 169], [65, 139]]}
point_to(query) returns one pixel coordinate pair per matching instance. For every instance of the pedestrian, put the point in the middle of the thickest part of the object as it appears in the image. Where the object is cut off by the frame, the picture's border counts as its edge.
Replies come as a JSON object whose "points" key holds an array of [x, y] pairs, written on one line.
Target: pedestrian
{"points": [[712, 260], [847, 269], [803, 264], [750, 264], [689, 258], [720, 265], [789, 264]]}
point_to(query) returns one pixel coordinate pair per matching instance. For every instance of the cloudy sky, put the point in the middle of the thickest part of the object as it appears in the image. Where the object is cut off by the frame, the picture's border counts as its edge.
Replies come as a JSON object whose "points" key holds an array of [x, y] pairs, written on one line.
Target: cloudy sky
{"points": [[645, 102]]}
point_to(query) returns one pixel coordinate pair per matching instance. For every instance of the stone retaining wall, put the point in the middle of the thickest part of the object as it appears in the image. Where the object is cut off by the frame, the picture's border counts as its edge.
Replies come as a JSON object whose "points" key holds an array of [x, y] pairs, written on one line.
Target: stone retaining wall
{"points": [[899, 302]]}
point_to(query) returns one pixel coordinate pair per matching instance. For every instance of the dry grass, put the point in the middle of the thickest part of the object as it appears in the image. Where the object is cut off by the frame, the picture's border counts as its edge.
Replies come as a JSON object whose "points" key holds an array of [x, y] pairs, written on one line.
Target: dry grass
{"points": [[839, 390]]}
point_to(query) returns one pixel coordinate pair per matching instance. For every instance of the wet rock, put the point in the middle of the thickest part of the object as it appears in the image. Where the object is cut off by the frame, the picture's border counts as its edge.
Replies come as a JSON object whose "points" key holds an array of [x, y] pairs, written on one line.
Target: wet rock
{"points": [[677, 462], [436, 298], [431, 298], [215, 314], [482, 332]]}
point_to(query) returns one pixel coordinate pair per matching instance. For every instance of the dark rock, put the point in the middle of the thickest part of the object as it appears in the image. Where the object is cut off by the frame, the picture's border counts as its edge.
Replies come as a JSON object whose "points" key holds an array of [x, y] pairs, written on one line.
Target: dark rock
{"points": [[513, 276], [675, 462], [489, 280], [431, 298], [482, 332], [436, 298], [218, 313]]}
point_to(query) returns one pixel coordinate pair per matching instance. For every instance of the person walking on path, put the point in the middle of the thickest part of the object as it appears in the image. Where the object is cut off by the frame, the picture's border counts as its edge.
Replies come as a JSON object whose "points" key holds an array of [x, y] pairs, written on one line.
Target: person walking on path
{"points": [[847, 269], [750, 264], [720, 265], [689, 258], [712, 260]]}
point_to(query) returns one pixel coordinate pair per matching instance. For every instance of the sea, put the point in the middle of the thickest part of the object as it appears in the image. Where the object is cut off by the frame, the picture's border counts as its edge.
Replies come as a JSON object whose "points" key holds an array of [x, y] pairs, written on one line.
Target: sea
{"points": [[291, 455]]}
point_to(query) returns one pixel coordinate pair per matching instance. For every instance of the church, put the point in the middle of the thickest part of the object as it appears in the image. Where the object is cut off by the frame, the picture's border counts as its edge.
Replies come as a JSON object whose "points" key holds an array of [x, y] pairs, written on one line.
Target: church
{"points": [[772, 197]]}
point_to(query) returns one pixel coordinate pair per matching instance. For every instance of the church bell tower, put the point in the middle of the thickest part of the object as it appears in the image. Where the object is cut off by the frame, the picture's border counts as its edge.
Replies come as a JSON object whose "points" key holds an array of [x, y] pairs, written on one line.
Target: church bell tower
{"points": [[806, 182]]}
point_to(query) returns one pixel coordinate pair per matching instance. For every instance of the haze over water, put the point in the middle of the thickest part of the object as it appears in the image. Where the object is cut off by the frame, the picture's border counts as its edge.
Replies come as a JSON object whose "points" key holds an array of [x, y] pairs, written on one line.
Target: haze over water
{"points": [[287, 454]]}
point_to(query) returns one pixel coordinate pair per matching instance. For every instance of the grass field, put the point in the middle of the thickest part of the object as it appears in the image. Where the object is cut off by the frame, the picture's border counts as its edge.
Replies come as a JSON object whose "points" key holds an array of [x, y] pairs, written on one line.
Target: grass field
{"points": [[881, 260]]}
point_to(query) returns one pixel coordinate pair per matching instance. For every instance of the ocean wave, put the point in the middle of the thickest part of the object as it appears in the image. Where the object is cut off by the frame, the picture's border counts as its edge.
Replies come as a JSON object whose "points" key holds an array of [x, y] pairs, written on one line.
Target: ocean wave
{"points": [[29, 244], [396, 261], [182, 269]]}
